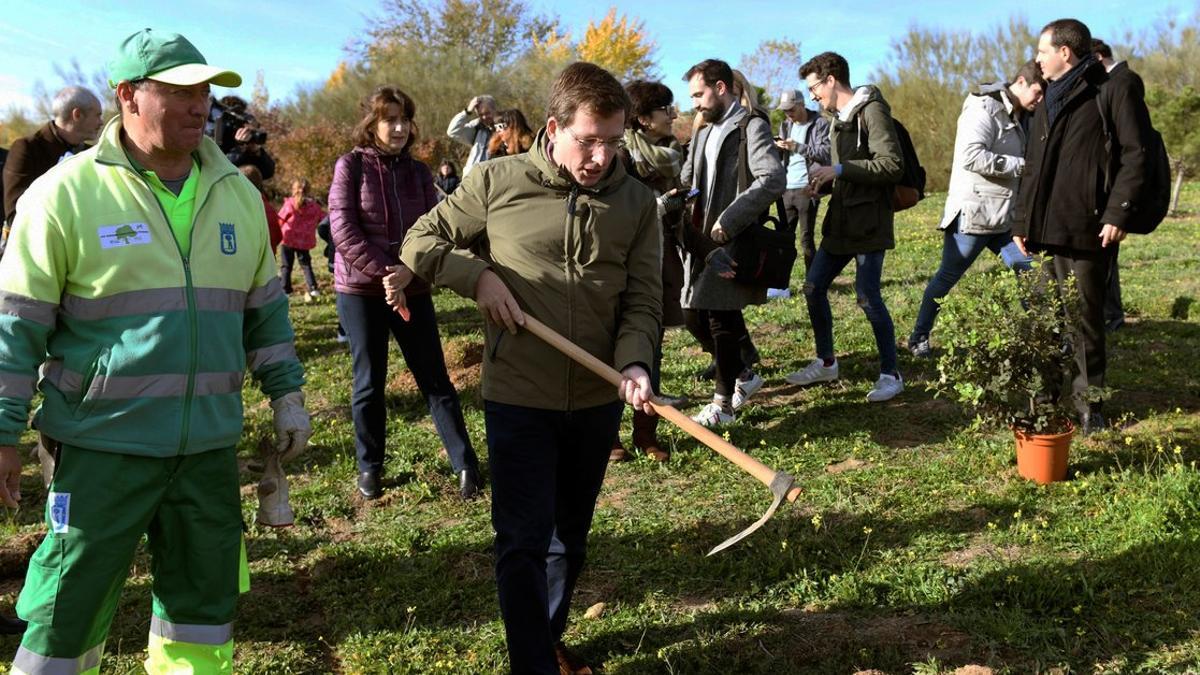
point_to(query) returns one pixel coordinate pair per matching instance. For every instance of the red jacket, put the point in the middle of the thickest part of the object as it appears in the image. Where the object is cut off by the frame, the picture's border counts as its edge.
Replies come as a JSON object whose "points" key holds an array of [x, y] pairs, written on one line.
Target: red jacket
{"points": [[272, 224], [299, 224]]}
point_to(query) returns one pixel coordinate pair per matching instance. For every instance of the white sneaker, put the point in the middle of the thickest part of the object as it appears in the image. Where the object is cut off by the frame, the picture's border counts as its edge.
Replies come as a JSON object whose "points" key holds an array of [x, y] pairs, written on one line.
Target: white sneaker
{"points": [[813, 373], [744, 389], [782, 293], [886, 388], [713, 416]]}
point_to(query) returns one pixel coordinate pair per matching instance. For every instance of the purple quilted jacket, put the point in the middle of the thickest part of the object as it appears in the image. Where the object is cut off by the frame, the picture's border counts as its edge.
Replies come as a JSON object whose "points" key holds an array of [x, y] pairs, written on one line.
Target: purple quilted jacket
{"points": [[369, 217]]}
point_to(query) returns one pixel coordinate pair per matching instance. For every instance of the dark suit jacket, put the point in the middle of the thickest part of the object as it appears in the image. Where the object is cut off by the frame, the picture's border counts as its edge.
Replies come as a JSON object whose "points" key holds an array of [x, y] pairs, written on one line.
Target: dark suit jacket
{"points": [[1063, 195], [28, 158]]}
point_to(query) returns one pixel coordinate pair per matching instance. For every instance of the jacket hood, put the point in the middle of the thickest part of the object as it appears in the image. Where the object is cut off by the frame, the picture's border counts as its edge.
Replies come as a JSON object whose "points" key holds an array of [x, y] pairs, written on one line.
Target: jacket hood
{"points": [[862, 96], [556, 177], [991, 88]]}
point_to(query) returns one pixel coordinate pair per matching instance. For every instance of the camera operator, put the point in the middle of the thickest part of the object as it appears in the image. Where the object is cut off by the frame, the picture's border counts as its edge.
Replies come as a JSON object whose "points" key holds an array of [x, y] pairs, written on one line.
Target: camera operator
{"points": [[237, 133]]}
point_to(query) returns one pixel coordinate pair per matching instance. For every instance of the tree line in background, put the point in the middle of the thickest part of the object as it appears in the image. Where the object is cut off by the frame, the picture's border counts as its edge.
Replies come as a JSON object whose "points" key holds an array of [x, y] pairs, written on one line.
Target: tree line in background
{"points": [[443, 52]]}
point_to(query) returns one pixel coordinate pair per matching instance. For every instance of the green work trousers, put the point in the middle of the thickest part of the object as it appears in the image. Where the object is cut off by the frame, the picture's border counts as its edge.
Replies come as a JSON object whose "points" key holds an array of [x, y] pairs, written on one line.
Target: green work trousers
{"points": [[99, 507]]}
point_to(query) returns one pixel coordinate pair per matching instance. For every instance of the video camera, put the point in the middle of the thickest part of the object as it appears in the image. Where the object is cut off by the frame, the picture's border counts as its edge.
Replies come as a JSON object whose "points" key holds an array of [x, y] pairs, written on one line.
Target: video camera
{"points": [[227, 119]]}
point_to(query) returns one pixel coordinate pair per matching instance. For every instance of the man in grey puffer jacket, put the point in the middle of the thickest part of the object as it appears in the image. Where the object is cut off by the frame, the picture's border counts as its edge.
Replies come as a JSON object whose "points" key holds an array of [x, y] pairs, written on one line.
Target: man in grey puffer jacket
{"points": [[989, 158]]}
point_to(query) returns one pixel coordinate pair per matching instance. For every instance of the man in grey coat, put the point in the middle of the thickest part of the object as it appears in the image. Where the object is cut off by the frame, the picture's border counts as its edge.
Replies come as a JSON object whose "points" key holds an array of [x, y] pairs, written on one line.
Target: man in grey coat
{"points": [[712, 301], [474, 133]]}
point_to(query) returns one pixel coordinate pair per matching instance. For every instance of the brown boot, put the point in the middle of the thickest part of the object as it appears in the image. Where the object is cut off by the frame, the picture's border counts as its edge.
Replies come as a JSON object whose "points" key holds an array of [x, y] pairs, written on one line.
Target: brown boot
{"points": [[618, 452], [645, 436], [569, 663]]}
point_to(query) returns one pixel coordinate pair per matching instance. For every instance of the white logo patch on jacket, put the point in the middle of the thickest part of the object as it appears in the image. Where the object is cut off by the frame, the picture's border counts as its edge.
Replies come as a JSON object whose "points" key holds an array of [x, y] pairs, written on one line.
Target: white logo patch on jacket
{"points": [[127, 234]]}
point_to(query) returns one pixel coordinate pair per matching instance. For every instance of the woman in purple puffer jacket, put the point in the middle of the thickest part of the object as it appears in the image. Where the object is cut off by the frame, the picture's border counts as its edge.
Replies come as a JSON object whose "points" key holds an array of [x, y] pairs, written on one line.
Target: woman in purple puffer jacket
{"points": [[378, 192]]}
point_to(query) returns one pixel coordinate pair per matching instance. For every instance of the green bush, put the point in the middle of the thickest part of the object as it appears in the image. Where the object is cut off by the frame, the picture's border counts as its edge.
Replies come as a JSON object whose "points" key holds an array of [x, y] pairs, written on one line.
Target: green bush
{"points": [[1007, 345]]}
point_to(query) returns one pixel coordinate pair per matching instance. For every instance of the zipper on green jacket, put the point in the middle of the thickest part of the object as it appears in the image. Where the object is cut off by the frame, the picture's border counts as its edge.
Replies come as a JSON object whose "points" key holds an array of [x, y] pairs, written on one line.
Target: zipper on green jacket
{"points": [[569, 249], [193, 320]]}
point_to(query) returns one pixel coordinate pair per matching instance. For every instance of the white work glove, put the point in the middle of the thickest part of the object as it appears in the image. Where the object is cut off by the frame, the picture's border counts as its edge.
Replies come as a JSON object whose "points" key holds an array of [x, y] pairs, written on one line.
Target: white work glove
{"points": [[273, 507], [292, 427]]}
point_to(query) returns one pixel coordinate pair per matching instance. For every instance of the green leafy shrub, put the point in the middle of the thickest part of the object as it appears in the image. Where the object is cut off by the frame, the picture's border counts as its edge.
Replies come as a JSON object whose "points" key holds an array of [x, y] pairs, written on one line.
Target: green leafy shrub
{"points": [[1007, 349]]}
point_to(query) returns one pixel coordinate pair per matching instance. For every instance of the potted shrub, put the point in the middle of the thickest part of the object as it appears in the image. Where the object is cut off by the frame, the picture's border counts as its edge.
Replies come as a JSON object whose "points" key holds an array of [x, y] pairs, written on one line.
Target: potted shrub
{"points": [[1007, 356]]}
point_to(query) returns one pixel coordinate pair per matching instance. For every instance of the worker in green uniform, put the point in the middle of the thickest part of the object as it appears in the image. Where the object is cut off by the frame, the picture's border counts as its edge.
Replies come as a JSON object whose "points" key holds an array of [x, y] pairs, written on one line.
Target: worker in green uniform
{"points": [[140, 280]]}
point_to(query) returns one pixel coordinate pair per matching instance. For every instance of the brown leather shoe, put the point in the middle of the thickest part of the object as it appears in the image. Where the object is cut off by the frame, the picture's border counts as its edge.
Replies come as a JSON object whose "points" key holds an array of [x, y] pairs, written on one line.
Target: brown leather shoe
{"points": [[618, 452], [645, 436], [569, 663]]}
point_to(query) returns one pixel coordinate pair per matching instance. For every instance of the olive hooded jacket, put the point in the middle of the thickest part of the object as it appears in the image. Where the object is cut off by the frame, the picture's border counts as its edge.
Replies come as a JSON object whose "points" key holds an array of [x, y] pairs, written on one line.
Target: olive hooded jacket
{"points": [[583, 260]]}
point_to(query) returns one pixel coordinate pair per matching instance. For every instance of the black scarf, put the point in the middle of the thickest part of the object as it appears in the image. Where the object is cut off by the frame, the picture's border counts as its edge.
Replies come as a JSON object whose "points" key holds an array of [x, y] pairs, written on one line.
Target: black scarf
{"points": [[1056, 93]]}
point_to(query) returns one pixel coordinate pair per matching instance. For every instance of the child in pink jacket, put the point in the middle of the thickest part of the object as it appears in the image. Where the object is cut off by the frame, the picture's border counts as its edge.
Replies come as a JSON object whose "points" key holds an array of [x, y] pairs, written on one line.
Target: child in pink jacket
{"points": [[298, 219]]}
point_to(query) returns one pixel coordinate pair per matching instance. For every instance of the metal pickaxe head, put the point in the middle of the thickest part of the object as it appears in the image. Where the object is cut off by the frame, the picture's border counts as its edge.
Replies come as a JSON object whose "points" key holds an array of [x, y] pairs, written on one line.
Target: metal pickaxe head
{"points": [[780, 486]]}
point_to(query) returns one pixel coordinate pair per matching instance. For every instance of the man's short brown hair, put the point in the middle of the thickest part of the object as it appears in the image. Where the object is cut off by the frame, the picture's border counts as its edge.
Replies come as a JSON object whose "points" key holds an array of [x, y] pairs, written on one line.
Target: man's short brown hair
{"points": [[1070, 32], [825, 64], [589, 87], [1031, 72], [711, 71]]}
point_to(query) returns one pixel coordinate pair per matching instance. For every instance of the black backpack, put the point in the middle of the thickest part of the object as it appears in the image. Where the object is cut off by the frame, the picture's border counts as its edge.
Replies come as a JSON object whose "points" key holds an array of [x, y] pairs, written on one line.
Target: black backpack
{"points": [[1155, 202], [911, 187]]}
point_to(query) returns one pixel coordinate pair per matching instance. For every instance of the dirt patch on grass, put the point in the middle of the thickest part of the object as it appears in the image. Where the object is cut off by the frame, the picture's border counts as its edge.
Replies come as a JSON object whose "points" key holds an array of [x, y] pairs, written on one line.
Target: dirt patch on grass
{"points": [[825, 635], [15, 552], [847, 465], [464, 363], [966, 556]]}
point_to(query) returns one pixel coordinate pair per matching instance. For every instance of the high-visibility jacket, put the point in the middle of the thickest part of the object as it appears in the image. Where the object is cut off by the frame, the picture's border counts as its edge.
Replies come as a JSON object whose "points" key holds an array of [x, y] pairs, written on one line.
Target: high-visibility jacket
{"points": [[143, 350]]}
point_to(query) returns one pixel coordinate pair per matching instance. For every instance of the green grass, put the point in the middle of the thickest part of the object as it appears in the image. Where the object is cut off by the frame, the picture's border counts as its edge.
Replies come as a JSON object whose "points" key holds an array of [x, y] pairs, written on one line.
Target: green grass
{"points": [[931, 555]]}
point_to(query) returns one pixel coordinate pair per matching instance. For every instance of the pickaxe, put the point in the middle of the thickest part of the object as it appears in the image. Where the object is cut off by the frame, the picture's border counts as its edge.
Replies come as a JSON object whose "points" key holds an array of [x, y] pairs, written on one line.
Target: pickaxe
{"points": [[783, 486]]}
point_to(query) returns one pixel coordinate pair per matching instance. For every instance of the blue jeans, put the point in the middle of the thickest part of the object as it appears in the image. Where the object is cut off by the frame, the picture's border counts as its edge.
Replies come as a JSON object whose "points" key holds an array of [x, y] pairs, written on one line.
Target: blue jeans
{"points": [[825, 268], [547, 467], [369, 323], [958, 252]]}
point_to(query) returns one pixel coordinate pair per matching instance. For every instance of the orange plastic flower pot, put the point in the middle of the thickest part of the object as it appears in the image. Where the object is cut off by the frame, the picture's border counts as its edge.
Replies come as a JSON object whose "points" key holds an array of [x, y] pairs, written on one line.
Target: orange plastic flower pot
{"points": [[1042, 458]]}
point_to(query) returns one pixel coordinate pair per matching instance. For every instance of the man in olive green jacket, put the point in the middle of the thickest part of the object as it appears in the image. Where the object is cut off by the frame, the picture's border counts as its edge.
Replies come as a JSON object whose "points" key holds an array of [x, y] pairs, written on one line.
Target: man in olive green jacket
{"points": [[866, 164], [563, 233]]}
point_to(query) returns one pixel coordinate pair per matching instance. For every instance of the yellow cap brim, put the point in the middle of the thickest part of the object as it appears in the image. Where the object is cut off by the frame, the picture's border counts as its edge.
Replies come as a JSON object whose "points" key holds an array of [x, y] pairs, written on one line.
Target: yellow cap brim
{"points": [[197, 73]]}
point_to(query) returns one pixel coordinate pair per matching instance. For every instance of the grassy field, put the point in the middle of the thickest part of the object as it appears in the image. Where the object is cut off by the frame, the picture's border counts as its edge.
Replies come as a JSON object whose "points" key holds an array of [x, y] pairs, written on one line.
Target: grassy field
{"points": [[914, 548]]}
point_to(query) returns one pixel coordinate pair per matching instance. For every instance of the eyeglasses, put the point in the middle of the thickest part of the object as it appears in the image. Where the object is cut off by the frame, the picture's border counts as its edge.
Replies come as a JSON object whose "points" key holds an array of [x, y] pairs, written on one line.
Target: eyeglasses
{"points": [[812, 88], [671, 110], [590, 144], [501, 126]]}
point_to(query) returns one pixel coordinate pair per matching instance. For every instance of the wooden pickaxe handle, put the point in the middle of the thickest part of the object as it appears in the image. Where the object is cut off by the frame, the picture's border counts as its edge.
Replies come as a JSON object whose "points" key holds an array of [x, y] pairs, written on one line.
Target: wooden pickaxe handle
{"points": [[762, 472]]}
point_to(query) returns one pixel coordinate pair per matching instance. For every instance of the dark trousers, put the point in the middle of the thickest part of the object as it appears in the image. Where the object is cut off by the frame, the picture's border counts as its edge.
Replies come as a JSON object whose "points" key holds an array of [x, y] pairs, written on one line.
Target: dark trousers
{"points": [[720, 333], [1091, 269], [547, 467], [1114, 311], [288, 257], [803, 212], [369, 322], [867, 278]]}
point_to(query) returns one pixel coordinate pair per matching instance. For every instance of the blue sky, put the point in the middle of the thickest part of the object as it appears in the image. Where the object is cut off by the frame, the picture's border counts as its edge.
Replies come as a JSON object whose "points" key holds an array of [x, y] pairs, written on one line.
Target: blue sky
{"points": [[297, 43]]}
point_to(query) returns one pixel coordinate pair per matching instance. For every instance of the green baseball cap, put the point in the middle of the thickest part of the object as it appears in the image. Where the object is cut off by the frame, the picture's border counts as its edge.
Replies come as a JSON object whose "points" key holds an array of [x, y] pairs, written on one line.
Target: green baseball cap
{"points": [[165, 57]]}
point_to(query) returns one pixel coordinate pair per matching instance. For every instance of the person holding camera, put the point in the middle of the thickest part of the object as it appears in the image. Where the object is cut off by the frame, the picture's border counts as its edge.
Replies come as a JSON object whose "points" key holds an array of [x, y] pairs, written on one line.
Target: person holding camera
{"points": [[378, 192], [474, 133], [237, 133]]}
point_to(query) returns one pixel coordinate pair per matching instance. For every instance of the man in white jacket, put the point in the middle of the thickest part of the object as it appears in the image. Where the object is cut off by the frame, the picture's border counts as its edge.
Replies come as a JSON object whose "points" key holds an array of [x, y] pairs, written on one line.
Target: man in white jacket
{"points": [[474, 133], [989, 158]]}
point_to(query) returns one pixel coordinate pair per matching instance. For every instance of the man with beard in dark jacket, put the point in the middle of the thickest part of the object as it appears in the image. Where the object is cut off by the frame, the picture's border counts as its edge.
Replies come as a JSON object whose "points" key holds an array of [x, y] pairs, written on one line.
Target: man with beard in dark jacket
{"points": [[1069, 208]]}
